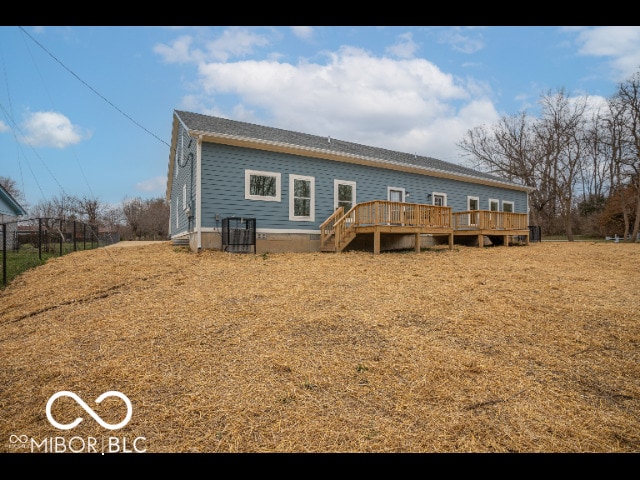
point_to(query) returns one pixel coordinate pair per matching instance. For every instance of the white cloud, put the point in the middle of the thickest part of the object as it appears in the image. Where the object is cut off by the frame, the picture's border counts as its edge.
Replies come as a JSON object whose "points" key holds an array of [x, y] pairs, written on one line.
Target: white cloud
{"points": [[303, 32], [178, 51], [406, 105], [405, 47], [462, 42], [234, 42], [3, 127], [152, 184], [50, 129], [620, 44]]}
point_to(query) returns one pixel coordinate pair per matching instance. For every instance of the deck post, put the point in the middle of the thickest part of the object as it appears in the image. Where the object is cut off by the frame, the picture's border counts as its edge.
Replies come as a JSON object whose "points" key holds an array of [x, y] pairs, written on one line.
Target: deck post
{"points": [[417, 242], [480, 241], [506, 240], [376, 240], [451, 241]]}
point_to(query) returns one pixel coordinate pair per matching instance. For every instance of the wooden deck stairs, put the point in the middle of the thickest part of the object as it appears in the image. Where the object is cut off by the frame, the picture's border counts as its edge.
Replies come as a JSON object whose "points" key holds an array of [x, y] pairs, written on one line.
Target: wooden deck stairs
{"points": [[380, 217]]}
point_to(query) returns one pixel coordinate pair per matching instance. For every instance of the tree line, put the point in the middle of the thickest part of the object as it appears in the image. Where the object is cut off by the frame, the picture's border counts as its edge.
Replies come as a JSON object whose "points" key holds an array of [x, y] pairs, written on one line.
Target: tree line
{"points": [[134, 219], [581, 161]]}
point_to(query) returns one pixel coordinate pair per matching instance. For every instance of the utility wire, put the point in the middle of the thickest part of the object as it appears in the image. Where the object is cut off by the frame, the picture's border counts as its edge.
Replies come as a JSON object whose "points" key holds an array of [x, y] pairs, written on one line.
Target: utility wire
{"points": [[17, 129], [44, 86], [91, 88]]}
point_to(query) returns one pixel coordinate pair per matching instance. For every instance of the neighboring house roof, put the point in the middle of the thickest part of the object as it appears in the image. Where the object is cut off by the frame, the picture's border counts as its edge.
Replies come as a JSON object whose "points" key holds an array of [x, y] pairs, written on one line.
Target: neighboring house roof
{"points": [[232, 132], [9, 205]]}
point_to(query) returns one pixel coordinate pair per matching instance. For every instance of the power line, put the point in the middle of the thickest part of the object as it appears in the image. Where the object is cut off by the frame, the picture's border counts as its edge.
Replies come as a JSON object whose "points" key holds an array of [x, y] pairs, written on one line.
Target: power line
{"points": [[92, 89], [44, 86], [17, 129]]}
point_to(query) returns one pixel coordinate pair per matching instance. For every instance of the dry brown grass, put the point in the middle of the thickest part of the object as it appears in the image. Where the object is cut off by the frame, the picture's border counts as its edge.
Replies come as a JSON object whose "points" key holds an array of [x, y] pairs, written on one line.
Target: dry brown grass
{"points": [[505, 349]]}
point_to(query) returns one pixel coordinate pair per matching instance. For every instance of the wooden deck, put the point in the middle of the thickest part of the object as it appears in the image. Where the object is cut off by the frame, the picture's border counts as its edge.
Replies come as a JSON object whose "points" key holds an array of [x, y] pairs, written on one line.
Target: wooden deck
{"points": [[381, 217], [481, 223]]}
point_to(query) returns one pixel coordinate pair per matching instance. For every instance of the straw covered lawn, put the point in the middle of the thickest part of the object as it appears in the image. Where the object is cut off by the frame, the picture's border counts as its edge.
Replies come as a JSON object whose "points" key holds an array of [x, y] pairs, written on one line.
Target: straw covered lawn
{"points": [[501, 349]]}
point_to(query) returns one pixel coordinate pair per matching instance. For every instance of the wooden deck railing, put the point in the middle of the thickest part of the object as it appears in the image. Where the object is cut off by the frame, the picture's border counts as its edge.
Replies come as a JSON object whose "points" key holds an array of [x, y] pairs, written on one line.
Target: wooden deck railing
{"points": [[327, 227], [489, 220], [340, 228], [380, 212]]}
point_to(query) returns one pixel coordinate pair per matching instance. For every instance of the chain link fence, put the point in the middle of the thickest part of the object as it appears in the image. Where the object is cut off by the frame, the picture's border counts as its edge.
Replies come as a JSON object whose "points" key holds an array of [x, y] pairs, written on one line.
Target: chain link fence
{"points": [[28, 243]]}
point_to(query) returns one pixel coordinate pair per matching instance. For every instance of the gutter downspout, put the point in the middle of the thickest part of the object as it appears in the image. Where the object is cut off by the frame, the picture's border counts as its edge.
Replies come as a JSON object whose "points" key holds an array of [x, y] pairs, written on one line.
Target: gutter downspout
{"points": [[199, 192]]}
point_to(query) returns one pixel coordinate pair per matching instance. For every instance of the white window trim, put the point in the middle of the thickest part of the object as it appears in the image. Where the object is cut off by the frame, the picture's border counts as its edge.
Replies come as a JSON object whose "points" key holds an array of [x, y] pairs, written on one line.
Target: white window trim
{"points": [[496, 201], [404, 194], [184, 197], [177, 210], [433, 198], [247, 185], [477, 199], [312, 208], [507, 202], [473, 216], [336, 198]]}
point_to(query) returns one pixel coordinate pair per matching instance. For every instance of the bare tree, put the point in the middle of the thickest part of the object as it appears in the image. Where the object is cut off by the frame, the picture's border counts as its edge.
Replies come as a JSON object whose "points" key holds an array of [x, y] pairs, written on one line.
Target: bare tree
{"points": [[156, 218], [510, 150], [147, 218], [89, 208], [11, 186], [112, 218], [133, 211], [595, 180], [626, 103], [55, 209], [561, 132], [617, 203]]}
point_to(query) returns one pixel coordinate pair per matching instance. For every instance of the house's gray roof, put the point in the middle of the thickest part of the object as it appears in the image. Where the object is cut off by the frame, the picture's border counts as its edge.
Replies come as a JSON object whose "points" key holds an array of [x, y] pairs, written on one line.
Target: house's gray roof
{"points": [[9, 205], [218, 125]]}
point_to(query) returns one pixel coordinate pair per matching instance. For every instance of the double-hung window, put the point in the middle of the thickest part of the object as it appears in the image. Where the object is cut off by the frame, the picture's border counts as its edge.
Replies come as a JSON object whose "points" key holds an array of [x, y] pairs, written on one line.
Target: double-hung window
{"points": [[344, 194], [301, 198]]}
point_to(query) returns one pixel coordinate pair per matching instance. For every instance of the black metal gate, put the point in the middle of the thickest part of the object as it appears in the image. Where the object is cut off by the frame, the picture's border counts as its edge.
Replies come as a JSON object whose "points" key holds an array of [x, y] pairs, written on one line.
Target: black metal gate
{"points": [[239, 235]]}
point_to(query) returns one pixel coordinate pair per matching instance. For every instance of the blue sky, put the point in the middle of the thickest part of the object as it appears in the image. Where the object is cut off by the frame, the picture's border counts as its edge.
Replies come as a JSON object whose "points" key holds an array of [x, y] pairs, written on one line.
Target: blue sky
{"points": [[87, 111]]}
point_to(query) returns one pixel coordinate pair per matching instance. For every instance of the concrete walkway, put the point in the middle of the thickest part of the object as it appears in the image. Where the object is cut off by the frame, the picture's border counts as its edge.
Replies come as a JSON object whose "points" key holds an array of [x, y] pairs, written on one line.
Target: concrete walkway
{"points": [[135, 243]]}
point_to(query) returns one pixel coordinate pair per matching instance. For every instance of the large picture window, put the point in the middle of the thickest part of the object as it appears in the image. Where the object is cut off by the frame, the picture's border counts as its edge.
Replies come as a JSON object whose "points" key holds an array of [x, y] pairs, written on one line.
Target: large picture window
{"points": [[301, 198], [262, 186]]}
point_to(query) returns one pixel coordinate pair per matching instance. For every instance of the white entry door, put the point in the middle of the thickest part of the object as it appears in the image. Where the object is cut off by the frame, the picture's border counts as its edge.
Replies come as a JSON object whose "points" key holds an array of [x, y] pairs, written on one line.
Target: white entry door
{"points": [[395, 195], [395, 211]]}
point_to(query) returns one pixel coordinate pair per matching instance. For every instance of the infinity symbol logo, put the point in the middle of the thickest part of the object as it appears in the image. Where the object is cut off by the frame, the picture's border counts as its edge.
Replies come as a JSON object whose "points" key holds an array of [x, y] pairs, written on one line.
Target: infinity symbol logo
{"points": [[88, 409]]}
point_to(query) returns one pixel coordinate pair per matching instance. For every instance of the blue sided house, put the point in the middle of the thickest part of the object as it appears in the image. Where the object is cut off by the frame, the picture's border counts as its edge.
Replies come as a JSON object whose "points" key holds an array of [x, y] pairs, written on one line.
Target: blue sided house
{"points": [[237, 186], [10, 211]]}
